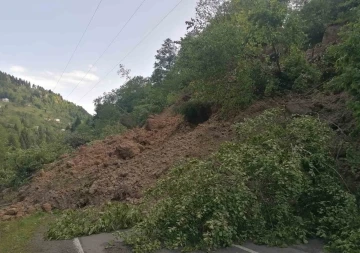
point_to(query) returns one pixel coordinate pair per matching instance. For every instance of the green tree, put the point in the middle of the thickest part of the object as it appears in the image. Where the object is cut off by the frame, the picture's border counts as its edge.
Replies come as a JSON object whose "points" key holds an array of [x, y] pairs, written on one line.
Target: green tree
{"points": [[347, 56], [165, 60]]}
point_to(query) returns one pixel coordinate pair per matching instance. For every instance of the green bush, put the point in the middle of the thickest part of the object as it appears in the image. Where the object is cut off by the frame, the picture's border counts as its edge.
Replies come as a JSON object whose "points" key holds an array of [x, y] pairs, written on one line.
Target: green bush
{"points": [[77, 139], [276, 185], [347, 62], [20, 164], [299, 74], [109, 218]]}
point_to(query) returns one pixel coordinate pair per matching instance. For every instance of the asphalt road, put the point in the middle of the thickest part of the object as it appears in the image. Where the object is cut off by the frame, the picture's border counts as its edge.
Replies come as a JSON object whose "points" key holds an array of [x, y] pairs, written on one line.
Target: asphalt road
{"points": [[106, 243]]}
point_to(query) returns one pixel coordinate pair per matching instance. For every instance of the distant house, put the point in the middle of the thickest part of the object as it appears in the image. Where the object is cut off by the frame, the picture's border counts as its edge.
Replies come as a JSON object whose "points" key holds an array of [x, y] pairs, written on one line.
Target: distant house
{"points": [[5, 100], [57, 120]]}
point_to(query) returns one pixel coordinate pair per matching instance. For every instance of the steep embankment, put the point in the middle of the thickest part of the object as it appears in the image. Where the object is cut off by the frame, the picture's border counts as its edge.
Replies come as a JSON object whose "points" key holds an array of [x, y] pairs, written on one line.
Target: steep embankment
{"points": [[121, 167]]}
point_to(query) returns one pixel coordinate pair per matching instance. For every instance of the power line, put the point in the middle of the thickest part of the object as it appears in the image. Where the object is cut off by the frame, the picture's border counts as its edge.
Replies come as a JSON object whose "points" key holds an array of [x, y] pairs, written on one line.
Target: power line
{"points": [[78, 44], [133, 49], [113, 40]]}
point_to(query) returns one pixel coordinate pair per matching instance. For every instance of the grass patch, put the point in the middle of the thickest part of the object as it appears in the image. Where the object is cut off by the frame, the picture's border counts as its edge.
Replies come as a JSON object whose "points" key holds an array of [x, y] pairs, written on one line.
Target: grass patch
{"points": [[16, 235]]}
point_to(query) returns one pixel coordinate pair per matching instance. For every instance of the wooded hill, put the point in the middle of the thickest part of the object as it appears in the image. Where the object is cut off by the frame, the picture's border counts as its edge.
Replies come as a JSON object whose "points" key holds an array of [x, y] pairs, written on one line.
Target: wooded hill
{"points": [[31, 116]]}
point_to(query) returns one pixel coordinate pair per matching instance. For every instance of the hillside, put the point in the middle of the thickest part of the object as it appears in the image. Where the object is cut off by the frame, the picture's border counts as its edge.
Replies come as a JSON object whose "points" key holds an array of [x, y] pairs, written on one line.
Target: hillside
{"points": [[30, 114], [33, 121], [121, 167], [248, 129]]}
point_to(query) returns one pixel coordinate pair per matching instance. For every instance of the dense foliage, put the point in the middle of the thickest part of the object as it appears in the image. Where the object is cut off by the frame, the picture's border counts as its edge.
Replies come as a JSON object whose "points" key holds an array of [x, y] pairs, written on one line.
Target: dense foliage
{"points": [[244, 193], [20, 164], [93, 220], [234, 52], [278, 184], [32, 124], [347, 62]]}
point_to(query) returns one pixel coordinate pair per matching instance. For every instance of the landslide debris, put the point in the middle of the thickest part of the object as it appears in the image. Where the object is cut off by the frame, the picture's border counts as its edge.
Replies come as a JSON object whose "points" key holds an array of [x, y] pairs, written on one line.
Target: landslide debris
{"points": [[120, 168]]}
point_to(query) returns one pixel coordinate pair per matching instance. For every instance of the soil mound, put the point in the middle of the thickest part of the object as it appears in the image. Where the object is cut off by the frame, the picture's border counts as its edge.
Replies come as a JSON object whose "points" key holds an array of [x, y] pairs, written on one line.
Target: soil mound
{"points": [[120, 168]]}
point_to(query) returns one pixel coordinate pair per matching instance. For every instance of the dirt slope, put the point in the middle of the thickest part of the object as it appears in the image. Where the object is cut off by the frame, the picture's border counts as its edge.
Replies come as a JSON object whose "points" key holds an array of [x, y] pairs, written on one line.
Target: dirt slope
{"points": [[121, 167]]}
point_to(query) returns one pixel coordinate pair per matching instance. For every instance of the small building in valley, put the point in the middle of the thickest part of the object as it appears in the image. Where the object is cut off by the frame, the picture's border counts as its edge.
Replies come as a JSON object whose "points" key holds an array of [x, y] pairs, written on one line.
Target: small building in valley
{"points": [[5, 100]]}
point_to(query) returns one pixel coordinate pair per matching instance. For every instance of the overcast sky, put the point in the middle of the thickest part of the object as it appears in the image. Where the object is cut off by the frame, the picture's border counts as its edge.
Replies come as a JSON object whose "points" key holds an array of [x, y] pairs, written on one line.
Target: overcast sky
{"points": [[37, 38]]}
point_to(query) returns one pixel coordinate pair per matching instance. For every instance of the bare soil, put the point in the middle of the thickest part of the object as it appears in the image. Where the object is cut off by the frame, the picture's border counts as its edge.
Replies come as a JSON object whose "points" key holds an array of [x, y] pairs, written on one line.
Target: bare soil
{"points": [[121, 168]]}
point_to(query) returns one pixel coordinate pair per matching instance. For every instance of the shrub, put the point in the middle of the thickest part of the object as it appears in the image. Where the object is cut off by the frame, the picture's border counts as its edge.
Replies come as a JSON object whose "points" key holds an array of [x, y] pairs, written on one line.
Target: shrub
{"points": [[77, 139], [299, 74], [20, 164], [347, 63], [111, 217], [276, 185]]}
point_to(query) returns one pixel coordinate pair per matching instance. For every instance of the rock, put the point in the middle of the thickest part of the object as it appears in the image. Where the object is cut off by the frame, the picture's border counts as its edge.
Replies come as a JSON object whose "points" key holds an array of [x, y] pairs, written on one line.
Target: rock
{"points": [[11, 211], [46, 207]]}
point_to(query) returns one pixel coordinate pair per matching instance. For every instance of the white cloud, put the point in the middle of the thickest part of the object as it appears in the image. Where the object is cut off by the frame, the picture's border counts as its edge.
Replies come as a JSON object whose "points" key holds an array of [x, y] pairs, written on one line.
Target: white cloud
{"points": [[43, 81], [92, 68], [17, 69], [70, 80], [49, 80], [77, 76]]}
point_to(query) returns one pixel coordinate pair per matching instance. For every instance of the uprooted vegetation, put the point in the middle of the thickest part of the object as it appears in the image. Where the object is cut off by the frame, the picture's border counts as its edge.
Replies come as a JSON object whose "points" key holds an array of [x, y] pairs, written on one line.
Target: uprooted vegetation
{"points": [[277, 184], [108, 218], [285, 178]]}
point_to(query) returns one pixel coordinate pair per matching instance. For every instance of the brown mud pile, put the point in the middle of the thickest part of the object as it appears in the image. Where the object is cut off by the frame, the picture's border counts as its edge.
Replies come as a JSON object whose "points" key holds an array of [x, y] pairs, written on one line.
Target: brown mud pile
{"points": [[120, 168]]}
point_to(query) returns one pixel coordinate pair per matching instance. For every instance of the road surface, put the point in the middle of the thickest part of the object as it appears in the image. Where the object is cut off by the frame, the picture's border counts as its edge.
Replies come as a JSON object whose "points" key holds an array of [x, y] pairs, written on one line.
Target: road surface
{"points": [[106, 243]]}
